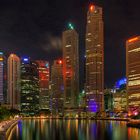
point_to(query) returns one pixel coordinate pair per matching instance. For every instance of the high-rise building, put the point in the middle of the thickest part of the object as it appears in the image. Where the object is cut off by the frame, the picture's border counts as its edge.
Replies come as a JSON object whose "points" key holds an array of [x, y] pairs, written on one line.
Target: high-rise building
{"points": [[2, 78], [57, 87], [94, 59], [44, 77], [133, 73], [13, 95], [108, 100], [70, 66], [29, 87]]}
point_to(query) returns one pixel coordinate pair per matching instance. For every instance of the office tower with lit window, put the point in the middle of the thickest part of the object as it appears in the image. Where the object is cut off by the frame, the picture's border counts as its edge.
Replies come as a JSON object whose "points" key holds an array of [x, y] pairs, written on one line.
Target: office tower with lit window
{"points": [[29, 87], [13, 95], [2, 78], [94, 60], [44, 77], [133, 73], [70, 66], [57, 87]]}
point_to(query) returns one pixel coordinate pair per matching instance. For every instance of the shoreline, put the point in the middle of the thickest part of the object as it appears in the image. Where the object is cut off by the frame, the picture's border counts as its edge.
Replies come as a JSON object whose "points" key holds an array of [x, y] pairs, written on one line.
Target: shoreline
{"points": [[107, 119], [5, 133], [134, 123], [6, 127]]}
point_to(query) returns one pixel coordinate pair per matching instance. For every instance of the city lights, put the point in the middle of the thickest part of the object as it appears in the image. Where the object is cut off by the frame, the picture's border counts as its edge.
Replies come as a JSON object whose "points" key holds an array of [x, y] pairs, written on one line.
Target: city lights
{"points": [[67, 88], [1, 59], [92, 7], [25, 59], [60, 61], [70, 25], [133, 39]]}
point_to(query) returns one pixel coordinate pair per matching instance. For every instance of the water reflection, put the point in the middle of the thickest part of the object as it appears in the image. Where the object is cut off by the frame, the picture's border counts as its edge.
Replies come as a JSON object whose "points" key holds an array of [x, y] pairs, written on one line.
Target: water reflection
{"points": [[73, 130]]}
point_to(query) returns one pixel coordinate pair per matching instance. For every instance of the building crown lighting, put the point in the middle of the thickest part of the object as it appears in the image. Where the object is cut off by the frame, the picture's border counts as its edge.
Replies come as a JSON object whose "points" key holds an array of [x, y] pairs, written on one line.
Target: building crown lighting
{"points": [[25, 59], [133, 39], [59, 62], [92, 7], [70, 25]]}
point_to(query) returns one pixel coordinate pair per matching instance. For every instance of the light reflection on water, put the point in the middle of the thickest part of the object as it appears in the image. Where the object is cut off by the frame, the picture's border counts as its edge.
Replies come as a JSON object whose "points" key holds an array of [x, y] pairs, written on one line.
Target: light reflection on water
{"points": [[73, 130]]}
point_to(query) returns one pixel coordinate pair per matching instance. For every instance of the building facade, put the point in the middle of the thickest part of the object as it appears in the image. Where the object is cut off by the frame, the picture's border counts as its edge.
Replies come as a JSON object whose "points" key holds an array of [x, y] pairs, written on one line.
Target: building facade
{"points": [[57, 87], [120, 101], [29, 87], [70, 67], [133, 73], [94, 59], [2, 78], [44, 77], [108, 100], [13, 95]]}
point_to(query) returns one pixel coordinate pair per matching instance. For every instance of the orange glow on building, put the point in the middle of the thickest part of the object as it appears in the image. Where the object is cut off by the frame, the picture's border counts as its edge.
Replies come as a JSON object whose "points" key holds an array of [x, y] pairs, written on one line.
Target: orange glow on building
{"points": [[133, 39], [60, 61], [133, 74], [92, 7], [1, 59]]}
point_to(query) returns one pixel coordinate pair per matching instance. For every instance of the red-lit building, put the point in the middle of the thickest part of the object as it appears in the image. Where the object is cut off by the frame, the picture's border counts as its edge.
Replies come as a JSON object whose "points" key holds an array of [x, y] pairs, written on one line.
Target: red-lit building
{"points": [[44, 76]]}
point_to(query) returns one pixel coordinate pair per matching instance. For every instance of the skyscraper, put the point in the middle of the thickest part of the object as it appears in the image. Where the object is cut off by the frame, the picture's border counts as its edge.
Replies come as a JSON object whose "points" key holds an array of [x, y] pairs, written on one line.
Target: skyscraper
{"points": [[133, 73], [13, 95], [94, 59], [70, 66], [2, 78], [44, 77], [57, 86], [29, 87]]}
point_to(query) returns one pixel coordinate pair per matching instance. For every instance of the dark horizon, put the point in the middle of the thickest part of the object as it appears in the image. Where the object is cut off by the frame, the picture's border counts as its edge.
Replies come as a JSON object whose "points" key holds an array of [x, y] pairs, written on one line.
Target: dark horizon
{"points": [[29, 28]]}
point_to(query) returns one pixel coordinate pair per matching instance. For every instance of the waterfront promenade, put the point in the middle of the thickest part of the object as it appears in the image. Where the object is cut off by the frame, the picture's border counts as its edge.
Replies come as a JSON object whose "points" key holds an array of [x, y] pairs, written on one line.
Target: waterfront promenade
{"points": [[6, 127]]}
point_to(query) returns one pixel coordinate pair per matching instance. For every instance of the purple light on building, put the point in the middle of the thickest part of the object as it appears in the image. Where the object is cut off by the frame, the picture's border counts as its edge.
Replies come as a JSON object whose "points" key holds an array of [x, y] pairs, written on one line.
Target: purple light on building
{"points": [[92, 106]]}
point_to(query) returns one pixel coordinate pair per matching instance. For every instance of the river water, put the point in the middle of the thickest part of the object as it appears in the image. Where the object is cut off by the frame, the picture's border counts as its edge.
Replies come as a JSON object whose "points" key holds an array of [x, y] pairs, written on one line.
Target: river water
{"points": [[43, 129]]}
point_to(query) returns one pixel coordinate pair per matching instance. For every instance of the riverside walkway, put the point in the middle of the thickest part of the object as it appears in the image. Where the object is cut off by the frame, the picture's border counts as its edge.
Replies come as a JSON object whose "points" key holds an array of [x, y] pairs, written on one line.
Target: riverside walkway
{"points": [[5, 128]]}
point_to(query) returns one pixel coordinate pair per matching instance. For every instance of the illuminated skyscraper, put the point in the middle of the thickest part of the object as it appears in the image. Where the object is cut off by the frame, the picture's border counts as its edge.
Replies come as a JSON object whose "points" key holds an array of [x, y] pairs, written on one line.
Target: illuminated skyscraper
{"points": [[29, 87], [13, 95], [133, 73], [70, 66], [44, 77], [2, 78], [57, 86], [94, 59]]}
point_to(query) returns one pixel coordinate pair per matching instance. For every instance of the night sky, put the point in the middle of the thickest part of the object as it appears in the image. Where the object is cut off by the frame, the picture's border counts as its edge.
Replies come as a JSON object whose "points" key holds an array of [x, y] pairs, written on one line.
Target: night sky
{"points": [[33, 28]]}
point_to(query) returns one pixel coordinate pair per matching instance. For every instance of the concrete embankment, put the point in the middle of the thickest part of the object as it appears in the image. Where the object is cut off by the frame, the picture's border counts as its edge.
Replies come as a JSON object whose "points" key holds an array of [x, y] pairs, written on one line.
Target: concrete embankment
{"points": [[6, 127]]}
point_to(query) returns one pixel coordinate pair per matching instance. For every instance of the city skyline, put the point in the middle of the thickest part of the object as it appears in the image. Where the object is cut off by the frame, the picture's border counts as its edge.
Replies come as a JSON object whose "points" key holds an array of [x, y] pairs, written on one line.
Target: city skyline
{"points": [[21, 38], [69, 70]]}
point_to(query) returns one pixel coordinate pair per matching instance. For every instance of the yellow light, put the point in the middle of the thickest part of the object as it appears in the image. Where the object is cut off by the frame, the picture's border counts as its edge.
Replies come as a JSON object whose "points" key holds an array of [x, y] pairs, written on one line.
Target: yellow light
{"points": [[1, 59], [12, 55], [133, 39]]}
